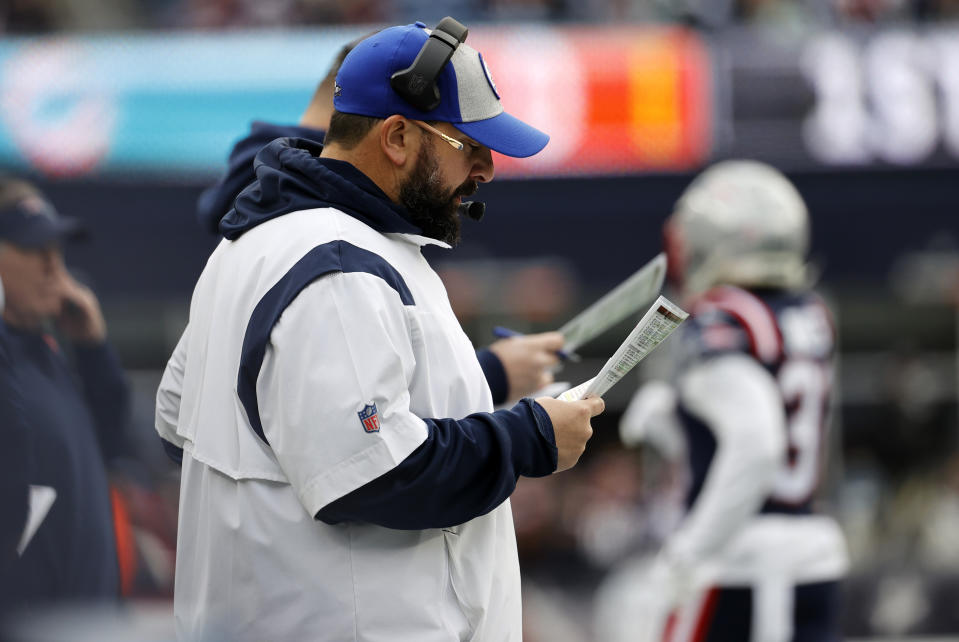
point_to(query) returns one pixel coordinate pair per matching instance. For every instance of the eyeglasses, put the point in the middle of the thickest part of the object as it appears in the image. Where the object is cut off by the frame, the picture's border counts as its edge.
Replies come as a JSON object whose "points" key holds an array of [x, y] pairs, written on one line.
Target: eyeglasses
{"points": [[455, 144]]}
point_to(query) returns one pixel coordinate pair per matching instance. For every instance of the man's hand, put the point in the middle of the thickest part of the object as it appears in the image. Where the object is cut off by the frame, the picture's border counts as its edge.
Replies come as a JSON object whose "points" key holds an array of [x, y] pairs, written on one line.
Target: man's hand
{"points": [[571, 427], [81, 319], [527, 360]]}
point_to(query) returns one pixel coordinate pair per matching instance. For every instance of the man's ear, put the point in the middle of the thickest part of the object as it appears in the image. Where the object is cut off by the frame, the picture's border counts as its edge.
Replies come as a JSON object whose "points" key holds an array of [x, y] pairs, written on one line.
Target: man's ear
{"points": [[397, 139]]}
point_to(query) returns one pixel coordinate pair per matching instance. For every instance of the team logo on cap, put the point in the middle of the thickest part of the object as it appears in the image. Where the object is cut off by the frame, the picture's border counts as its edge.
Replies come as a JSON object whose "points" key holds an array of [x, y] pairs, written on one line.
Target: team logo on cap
{"points": [[489, 76], [369, 418], [417, 84]]}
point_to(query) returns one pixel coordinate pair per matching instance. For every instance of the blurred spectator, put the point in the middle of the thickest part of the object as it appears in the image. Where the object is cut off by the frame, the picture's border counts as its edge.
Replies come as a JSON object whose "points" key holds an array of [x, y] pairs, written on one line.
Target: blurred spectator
{"points": [[907, 429], [234, 14], [223, 14], [27, 17], [786, 18], [77, 414], [609, 516], [937, 9], [557, 578], [32, 17], [864, 10], [529, 10], [14, 482], [860, 504], [940, 523], [465, 288], [431, 11], [572, 530], [347, 11], [48, 16], [540, 292], [911, 584]]}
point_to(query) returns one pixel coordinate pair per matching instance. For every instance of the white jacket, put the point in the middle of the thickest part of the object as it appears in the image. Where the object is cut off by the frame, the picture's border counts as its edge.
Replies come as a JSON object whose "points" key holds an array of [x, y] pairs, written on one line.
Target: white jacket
{"points": [[252, 563]]}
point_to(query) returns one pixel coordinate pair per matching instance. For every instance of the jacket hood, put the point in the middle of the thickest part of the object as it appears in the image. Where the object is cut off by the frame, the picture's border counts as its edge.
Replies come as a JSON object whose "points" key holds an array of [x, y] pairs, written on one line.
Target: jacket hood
{"points": [[291, 177], [215, 201]]}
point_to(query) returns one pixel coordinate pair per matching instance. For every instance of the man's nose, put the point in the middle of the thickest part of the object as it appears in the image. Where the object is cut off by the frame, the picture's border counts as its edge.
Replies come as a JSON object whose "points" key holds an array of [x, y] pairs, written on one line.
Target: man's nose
{"points": [[483, 170]]}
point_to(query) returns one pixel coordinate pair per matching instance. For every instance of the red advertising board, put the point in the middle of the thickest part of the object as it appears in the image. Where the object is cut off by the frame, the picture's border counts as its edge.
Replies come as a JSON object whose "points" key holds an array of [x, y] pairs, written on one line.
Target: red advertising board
{"points": [[614, 100]]}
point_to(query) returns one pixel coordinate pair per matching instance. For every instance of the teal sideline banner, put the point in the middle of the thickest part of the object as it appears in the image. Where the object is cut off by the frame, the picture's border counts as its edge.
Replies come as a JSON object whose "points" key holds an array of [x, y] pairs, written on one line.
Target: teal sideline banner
{"points": [[613, 99], [170, 104]]}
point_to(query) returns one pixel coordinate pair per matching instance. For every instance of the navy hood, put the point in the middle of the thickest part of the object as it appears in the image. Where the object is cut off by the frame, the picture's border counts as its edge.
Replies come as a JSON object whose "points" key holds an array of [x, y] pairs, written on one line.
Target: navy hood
{"points": [[291, 177], [216, 200]]}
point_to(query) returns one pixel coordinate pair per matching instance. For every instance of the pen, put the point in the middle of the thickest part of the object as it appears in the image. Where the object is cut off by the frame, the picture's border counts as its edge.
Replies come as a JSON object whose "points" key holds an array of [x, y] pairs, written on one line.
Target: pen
{"points": [[503, 333]]}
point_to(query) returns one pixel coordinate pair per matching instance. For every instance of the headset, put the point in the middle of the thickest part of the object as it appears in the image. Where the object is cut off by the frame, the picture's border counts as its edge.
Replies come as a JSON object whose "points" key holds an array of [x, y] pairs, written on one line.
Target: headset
{"points": [[417, 83]]}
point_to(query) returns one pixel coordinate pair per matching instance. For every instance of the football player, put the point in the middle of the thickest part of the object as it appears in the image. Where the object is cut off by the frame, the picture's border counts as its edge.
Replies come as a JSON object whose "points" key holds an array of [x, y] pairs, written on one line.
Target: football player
{"points": [[752, 560]]}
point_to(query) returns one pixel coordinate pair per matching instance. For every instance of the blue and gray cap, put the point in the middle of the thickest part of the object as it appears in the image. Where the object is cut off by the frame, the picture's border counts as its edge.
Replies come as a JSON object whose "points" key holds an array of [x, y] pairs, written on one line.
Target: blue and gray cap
{"points": [[468, 97]]}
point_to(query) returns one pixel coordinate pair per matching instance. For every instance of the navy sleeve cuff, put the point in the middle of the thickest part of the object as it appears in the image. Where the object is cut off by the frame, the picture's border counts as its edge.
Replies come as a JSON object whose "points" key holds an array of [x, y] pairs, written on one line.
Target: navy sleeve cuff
{"points": [[464, 469], [545, 427], [495, 374], [174, 453]]}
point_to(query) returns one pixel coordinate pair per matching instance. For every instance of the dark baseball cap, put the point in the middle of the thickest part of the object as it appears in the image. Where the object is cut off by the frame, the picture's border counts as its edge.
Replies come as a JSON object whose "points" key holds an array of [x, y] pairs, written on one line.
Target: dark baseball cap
{"points": [[469, 98], [32, 222]]}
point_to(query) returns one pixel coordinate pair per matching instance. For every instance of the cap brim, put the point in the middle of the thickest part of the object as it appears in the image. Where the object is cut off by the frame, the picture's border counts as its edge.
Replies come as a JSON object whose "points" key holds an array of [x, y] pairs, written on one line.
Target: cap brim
{"points": [[505, 134], [38, 236], [72, 229]]}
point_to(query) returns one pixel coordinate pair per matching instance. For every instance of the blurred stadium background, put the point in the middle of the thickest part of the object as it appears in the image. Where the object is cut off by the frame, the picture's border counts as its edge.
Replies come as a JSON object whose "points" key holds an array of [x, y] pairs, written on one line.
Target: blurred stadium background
{"points": [[123, 110]]}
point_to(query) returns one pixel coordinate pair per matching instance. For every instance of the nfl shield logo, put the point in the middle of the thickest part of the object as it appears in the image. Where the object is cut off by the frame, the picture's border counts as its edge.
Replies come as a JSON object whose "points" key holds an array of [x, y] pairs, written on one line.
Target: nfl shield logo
{"points": [[369, 418]]}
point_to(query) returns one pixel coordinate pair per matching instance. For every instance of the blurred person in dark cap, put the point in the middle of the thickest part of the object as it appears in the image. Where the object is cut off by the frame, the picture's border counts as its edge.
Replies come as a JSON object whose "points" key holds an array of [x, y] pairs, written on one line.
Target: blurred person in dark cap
{"points": [[74, 409]]}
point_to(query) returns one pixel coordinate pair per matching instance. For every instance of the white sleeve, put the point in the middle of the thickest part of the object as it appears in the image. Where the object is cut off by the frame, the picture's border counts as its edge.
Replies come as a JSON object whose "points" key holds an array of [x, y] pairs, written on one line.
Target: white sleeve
{"points": [[344, 343], [740, 402], [169, 393], [651, 417]]}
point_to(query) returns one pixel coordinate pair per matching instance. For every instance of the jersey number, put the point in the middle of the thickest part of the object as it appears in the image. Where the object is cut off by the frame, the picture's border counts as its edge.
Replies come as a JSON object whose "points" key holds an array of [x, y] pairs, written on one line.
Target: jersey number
{"points": [[805, 385]]}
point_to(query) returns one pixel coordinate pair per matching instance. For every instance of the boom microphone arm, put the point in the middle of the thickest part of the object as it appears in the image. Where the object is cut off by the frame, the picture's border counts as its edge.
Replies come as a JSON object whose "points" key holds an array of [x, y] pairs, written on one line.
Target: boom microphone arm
{"points": [[472, 209]]}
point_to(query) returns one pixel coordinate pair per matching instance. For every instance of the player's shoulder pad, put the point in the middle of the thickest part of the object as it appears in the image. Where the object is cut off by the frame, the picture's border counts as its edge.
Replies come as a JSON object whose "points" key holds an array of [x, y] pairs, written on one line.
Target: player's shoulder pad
{"points": [[730, 319], [808, 327]]}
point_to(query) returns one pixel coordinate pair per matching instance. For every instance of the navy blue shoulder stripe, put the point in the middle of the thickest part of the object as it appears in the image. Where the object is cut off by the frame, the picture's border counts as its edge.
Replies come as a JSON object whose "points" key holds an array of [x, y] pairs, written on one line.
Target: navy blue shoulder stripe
{"points": [[336, 256]]}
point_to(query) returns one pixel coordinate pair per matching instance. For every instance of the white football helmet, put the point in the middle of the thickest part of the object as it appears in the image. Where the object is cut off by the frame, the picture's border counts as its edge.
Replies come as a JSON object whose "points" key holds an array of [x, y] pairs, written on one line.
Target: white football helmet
{"points": [[740, 223]]}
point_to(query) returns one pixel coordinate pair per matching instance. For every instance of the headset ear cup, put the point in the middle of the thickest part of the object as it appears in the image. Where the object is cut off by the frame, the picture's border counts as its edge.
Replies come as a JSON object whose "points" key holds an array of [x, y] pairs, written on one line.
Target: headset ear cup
{"points": [[417, 83], [453, 27], [416, 89]]}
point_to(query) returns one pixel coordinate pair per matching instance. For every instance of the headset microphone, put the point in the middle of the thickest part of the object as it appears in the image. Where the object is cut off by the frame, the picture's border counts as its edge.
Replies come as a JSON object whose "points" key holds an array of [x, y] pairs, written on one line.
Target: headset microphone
{"points": [[472, 209]]}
